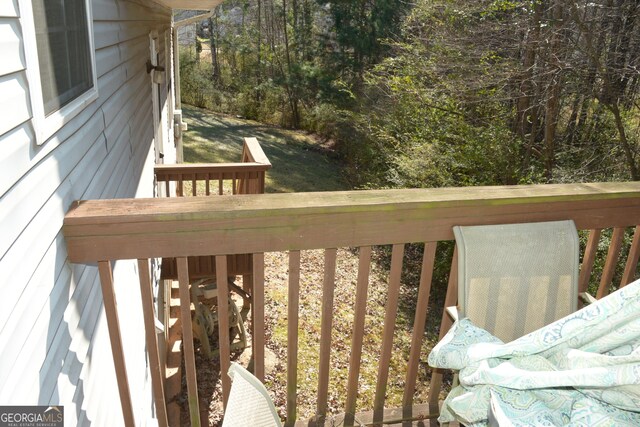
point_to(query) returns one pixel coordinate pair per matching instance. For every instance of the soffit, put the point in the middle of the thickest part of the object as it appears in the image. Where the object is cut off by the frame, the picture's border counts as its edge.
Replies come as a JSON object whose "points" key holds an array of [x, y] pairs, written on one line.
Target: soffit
{"points": [[191, 4]]}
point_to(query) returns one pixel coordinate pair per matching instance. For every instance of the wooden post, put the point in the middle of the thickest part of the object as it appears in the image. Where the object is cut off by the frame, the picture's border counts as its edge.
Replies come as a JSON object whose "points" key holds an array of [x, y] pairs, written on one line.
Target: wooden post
{"points": [[362, 288], [632, 260], [157, 379], [111, 312], [223, 325], [292, 336], [397, 254], [611, 262], [451, 299], [325, 332], [258, 315], [587, 260], [187, 342], [422, 306]]}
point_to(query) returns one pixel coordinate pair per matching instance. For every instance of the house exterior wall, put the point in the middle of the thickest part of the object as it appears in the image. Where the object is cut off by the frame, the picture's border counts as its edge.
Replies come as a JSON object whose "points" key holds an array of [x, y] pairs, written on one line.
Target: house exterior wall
{"points": [[54, 342]]}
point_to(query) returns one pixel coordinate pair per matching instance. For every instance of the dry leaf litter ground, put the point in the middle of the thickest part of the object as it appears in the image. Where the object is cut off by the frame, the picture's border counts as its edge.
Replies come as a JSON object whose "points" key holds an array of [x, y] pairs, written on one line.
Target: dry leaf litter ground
{"points": [[311, 278], [216, 138]]}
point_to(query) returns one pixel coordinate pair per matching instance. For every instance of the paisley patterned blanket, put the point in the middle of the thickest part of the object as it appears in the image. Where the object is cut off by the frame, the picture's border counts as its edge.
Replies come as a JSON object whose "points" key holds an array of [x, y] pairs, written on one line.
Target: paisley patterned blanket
{"points": [[582, 370]]}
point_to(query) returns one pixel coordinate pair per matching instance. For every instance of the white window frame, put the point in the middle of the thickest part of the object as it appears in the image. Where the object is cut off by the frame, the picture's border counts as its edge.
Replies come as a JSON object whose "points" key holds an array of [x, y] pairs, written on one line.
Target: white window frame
{"points": [[45, 126]]}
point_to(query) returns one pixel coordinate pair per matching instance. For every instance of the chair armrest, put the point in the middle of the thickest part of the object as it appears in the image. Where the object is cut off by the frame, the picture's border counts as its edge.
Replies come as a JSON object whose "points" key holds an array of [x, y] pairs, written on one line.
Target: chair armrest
{"points": [[452, 312], [586, 298]]}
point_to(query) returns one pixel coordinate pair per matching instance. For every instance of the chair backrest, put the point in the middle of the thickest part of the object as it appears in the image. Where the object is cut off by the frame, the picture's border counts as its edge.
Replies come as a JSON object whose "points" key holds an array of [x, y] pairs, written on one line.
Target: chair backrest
{"points": [[249, 403], [516, 278]]}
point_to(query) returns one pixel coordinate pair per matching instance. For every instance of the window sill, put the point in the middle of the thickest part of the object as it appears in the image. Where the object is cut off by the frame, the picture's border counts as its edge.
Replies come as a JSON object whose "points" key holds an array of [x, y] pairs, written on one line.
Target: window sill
{"points": [[45, 127]]}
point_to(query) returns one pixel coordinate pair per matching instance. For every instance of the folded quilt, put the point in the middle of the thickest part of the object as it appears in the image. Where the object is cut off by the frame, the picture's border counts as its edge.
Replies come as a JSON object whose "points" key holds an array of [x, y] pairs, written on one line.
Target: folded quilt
{"points": [[582, 370]]}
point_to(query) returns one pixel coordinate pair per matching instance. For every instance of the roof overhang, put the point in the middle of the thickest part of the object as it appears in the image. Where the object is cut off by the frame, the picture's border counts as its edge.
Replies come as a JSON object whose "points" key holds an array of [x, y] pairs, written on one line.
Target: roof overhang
{"points": [[191, 4]]}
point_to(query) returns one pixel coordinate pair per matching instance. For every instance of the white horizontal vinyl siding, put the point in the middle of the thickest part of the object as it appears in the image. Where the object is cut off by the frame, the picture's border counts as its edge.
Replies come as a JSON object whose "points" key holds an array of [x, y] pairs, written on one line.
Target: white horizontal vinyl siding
{"points": [[11, 44], [54, 343], [14, 108]]}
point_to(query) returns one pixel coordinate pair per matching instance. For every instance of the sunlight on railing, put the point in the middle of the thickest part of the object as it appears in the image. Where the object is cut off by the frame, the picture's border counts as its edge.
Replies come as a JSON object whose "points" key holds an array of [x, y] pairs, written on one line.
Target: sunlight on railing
{"points": [[106, 230]]}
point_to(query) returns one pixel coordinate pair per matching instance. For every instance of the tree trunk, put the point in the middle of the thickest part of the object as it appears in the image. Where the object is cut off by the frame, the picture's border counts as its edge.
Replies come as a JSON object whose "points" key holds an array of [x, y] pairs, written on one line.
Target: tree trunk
{"points": [[523, 102], [631, 163], [213, 43], [259, 54], [293, 101], [552, 106]]}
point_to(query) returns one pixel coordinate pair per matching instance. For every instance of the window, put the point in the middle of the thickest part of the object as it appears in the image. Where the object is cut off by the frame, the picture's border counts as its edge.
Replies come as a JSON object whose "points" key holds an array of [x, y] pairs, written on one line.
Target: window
{"points": [[60, 61]]}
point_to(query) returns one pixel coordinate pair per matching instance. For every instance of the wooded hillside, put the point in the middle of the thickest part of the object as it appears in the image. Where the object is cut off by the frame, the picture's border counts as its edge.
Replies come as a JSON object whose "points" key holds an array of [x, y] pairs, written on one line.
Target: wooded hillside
{"points": [[436, 93]]}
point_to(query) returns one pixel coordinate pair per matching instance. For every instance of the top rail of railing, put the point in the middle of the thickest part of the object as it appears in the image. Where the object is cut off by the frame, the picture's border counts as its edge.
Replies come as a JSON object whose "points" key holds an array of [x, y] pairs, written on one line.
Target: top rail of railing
{"points": [[171, 227], [198, 179]]}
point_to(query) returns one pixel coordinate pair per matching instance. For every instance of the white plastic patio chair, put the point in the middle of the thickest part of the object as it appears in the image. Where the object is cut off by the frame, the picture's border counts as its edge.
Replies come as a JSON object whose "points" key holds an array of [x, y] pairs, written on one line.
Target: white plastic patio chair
{"points": [[249, 403], [516, 278]]}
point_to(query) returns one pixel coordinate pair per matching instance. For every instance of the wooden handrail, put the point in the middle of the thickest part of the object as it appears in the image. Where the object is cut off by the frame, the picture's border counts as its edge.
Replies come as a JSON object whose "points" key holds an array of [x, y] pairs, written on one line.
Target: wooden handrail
{"points": [[173, 227], [252, 152], [223, 170], [253, 160], [106, 230], [246, 177]]}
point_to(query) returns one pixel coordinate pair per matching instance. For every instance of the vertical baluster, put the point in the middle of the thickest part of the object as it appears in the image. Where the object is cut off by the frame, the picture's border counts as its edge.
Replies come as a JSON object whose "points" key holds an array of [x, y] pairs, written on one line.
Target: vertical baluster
{"points": [[422, 306], [180, 187], [247, 184], [362, 288], [220, 186], [258, 315], [223, 324], [233, 183], [187, 341], [167, 188], [194, 187], [208, 184], [325, 331], [292, 336], [157, 380], [239, 187], [632, 260], [389, 326], [208, 264], [610, 263], [194, 265], [450, 300], [247, 279], [113, 323], [587, 260], [242, 184]]}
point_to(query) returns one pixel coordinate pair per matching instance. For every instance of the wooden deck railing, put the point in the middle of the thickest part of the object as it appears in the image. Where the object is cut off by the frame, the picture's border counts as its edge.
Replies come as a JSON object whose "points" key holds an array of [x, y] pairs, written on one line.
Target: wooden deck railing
{"points": [[106, 230], [213, 179], [204, 179]]}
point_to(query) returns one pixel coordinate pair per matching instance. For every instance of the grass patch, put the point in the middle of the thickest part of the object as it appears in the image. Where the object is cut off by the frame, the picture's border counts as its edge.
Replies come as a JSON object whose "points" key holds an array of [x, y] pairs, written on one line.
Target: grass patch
{"points": [[300, 163]]}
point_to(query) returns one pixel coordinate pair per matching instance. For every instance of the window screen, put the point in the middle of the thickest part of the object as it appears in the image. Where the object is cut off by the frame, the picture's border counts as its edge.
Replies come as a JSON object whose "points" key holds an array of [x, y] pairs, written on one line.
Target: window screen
{"points": [[62, 35]]}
